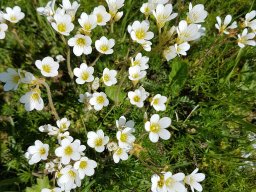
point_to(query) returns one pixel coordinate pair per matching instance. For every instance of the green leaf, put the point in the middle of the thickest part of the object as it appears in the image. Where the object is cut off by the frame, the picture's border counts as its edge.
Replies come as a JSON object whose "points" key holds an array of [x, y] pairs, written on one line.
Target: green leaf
{"points": [[41, 183], [115, 94], [178, 77]]}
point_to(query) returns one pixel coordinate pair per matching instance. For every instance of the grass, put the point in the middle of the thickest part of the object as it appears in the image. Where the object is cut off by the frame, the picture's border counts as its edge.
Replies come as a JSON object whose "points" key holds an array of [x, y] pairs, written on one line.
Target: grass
{"points": [[212, 137]]}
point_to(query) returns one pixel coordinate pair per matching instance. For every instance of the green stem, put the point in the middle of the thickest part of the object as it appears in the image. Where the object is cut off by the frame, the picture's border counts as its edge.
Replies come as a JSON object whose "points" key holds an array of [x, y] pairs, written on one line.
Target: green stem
{"points": [[95, 61], [70, 72]]}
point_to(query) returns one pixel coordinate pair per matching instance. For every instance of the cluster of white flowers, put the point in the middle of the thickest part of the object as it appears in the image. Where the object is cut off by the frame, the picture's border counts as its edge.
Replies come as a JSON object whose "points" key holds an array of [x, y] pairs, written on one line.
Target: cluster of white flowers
{"points": [[167, 182], [68, 164], [248, 25], [12, 15]]}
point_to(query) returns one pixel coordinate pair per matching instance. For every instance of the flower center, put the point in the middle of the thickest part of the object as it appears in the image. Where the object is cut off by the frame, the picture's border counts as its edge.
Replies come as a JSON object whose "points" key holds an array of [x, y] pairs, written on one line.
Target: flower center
{"points": [[119, 151], [85, 75], [46, 68], [136, 98], [106, 77], [61, 27], [81, 42], [99, 18], [13, 18], [123, 137], [135, 75], [154, 127], [87, 26], [42, 151], [170, 181], [72, 173], [140, 34], [100, 99], [160, 183], [136, 62], [68, 150], [83, 165], [104, 48], [98, 142], [35, 96], [15, 79], [156, 102]]}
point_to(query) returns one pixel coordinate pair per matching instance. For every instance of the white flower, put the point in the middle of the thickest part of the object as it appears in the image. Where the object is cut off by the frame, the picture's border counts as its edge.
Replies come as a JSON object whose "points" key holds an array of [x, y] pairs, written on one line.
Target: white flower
{"points": [[158, 184], [125, 137], [224, 28], [114, 5], [182, 48], [13, 15], [170, 53], [85, 166], [158, 1], [120, 153], [46, 11], [70, 9], [250, 20], [63, 24], [99, 100], [139, 31], [158, 102], [109, 77], [157, 128], [84, 74], [81, 44], [50, 167], [87, 22], [122, 123], [163, 14], [84, 97], [102, 15], [147, 46], [138, 97], [56, 189], [118, 16], [48, 67], [95, 84], [135, 73], [187, 32], [63, 124], [65, 135], [112, 146], [246, 39], [59, 58], [97, 140], [141, 61], [196, 14], [33, 100], [104, 45], [68, 151], [3, 28], [28, 78], [193, 180], [174, 182], [38, 152], [147, 8], [11, 78], [69, 178]]}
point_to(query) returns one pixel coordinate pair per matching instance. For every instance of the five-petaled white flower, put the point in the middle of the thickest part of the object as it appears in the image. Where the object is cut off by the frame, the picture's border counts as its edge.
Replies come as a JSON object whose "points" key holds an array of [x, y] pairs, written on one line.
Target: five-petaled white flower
{"points": [[125, 137], [69, 8], [250, 20], [187, 32], [122, 123], [84, 74], [85, 166], [139, 31], [87, 22], [14, 15], [48, 67], [11, 78], [225, 27], [147, 8], [68, 151], [182, 48], [69, 178], [84, 97], [120, 153], [99, 100], [63, 23], [104, 45], [174, 182], [158, 102], [33, 100], [135, 73], [246, 39], [81, 44], [63, 124], [157, 128], [109, 77], [102, 15], [170, 53], [113, 6], [97, 140], [163, 14], [141, 61], [196, 14], [37, 152], [158, 184], [3, 28], [138, 97], [193, 180]]}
